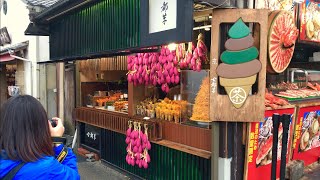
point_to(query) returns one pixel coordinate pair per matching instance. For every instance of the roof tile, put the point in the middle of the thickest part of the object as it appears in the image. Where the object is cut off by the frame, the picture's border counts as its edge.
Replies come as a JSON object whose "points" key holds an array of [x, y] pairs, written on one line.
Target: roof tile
{"points": [[43, 3]]}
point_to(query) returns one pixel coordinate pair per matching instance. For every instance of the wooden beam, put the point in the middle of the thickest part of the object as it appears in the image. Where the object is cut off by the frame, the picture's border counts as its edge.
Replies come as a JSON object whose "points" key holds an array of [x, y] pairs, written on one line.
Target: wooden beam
{"points": [[202, 13]]}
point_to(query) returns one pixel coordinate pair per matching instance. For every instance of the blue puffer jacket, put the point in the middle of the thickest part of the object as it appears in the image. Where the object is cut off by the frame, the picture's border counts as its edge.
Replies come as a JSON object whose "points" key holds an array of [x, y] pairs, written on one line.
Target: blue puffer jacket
{"points": [[45, 168]]}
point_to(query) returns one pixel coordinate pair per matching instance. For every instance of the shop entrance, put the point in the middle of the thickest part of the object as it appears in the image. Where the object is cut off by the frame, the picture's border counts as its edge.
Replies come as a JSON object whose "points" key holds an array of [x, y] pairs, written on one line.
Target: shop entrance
{"points": [[7, 80]]}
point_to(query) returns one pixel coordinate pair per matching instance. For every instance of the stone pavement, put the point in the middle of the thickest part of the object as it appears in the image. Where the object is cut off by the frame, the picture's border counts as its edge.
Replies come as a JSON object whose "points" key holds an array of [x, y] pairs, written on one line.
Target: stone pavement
{"points": [[97, 171], [312, 173]]}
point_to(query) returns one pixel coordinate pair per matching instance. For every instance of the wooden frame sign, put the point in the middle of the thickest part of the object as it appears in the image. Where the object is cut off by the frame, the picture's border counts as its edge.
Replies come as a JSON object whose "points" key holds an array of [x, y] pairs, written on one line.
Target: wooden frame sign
{"points": [[240, 67]]}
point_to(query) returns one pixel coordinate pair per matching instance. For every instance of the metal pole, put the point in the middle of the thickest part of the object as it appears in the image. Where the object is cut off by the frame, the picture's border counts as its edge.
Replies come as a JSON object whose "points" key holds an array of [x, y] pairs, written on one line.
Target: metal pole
{"points": [[275, 122], [285, 125]]}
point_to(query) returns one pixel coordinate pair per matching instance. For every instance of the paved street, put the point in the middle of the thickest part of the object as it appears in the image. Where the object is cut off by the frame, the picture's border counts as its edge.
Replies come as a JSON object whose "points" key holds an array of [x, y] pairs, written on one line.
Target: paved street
{"points": [[97, 171], [312, 173]]}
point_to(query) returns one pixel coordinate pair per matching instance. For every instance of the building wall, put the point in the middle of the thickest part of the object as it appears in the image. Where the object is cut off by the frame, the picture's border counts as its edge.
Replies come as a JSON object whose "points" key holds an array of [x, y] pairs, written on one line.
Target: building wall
{"points": [[17, 20]]}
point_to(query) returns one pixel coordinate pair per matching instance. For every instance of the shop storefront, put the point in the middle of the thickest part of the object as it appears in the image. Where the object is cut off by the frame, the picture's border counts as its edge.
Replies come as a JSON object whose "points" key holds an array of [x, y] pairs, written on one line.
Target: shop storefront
{"points": [[171, 100], [11, 70], [297, 84], [19, 53]]}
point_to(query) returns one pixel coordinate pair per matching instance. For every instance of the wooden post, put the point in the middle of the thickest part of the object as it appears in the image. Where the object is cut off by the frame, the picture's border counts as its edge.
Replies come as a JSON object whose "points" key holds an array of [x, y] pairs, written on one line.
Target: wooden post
{"points": [[136, 94], [60, 89], [78, 85]]}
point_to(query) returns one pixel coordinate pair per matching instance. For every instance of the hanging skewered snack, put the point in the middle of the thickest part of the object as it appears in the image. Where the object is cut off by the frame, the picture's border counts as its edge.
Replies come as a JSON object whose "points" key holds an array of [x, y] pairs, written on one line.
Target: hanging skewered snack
{"points": [[146, 145], [199, 54]]}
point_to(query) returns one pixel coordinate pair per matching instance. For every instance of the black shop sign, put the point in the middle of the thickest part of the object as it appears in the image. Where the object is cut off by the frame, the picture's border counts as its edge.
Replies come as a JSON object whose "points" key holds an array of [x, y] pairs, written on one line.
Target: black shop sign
{"points": [[165, 21], [90, 136]]}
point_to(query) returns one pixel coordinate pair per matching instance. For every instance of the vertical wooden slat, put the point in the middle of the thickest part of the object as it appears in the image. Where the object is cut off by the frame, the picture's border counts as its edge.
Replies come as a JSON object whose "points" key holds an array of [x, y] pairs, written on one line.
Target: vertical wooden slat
{"points": [[103, 26]]}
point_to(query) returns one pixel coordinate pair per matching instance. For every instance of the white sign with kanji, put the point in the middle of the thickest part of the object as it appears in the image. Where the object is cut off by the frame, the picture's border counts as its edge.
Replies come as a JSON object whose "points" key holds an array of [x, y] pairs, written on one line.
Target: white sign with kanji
{"points": [[238, 95], [92, 135], [162, 15]]}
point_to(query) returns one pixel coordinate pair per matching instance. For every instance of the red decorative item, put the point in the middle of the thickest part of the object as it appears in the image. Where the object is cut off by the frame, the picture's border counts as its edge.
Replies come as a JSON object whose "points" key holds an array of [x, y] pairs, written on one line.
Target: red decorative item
{"points": [[155, 68], [164, 68], [281, 40]]}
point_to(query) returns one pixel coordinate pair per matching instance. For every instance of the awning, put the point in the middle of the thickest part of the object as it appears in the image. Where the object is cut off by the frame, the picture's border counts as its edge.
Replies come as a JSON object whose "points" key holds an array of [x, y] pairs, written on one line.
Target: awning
{"points": [[6, 58], [14, 48], [7, 53]]}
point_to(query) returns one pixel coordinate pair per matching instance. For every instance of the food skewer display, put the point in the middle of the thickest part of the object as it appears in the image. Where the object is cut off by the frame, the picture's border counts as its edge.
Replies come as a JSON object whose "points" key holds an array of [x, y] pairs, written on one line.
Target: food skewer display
{"points": [[138, 145]]}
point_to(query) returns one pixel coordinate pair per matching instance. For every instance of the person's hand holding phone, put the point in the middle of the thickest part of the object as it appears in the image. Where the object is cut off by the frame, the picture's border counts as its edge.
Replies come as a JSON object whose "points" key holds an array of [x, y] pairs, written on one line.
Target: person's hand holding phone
{"points": [[58, 130]]}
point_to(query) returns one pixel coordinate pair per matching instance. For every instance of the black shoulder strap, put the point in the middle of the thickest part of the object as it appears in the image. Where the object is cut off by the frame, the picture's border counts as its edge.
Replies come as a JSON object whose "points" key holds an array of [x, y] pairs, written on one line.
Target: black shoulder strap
{"points": [[13, 172]]}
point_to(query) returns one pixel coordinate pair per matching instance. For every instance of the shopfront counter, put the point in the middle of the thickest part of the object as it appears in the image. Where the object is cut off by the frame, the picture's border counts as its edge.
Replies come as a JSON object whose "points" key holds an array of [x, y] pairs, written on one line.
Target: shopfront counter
{"points": [[170, 141]]}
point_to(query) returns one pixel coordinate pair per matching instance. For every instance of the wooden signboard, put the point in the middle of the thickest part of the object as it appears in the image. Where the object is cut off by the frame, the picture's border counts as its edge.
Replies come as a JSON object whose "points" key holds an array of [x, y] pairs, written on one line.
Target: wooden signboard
{"points": [[239, 67]]}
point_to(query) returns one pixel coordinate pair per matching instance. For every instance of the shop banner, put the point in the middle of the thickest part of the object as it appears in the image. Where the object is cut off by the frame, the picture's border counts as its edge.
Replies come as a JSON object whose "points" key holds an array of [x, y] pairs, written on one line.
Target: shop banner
{"points": [[306, 144], [259, 154], [165, 21], [310, 21]]}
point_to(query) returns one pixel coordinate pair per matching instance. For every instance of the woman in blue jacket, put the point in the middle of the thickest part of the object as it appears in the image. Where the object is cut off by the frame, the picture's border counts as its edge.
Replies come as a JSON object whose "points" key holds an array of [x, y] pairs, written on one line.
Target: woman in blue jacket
{"points": [[25, 140]]}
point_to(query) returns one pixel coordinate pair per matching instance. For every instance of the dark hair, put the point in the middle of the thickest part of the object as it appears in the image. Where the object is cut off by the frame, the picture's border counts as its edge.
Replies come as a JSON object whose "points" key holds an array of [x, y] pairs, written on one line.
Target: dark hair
{"points": [[24, 129]]}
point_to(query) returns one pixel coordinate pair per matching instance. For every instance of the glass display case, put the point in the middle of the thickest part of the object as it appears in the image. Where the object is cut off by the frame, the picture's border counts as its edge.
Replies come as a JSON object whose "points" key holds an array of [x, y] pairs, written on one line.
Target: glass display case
{"points": [[187, 102], [303, 76], [111, 96], [195, 90]]}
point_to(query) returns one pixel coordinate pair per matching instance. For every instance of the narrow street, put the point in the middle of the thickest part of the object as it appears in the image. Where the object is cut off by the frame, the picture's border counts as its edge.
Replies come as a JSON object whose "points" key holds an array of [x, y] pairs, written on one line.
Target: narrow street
{"points": [[160, 89], [97, 171]]}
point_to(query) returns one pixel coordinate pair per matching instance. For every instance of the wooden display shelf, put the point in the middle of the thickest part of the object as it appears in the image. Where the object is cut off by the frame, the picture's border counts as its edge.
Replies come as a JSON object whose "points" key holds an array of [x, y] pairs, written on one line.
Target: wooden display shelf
{"points": [[117, 122], [308, 103], [191, 136], [281, 107], [184, 148], [186, 137]]}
